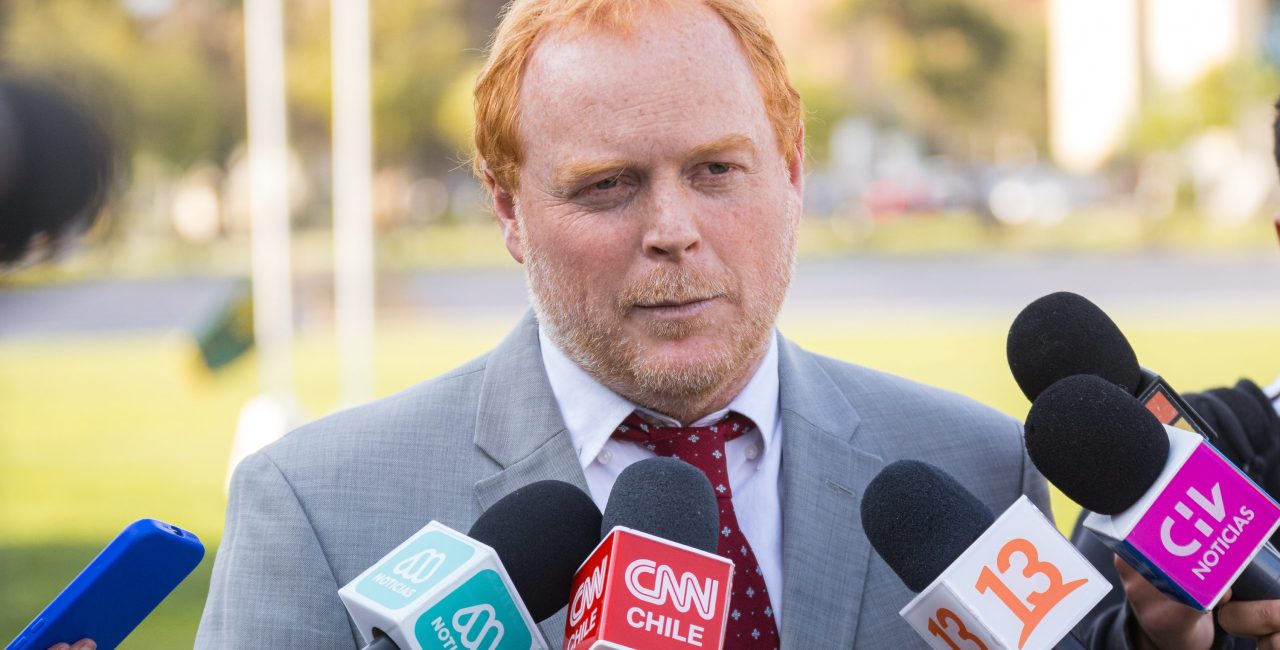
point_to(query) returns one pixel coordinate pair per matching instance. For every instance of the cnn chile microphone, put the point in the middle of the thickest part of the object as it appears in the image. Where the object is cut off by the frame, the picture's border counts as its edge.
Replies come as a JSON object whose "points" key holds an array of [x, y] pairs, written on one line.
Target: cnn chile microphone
{"points": [[1161, 497], [655, 581], [442, 590], [1064, 334], [984, 583]]}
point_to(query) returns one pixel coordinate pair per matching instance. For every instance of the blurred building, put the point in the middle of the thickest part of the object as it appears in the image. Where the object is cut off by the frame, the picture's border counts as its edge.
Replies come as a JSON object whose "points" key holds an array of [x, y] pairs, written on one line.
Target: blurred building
{"points": [[1105, 56]]}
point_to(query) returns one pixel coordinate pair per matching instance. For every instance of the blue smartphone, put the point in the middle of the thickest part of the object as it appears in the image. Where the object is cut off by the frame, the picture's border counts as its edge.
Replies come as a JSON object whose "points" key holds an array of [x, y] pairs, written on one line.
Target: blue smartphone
{"points": [[118, 589]]}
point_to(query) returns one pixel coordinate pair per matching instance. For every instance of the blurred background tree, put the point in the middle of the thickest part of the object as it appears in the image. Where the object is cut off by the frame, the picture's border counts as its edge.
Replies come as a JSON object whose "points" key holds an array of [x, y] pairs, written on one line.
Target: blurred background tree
{"points": [[964, 73]]}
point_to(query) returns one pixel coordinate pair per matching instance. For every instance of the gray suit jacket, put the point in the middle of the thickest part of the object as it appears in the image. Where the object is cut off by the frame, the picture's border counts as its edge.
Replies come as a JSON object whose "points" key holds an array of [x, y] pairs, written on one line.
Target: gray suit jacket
{"points": [[310, 512]]}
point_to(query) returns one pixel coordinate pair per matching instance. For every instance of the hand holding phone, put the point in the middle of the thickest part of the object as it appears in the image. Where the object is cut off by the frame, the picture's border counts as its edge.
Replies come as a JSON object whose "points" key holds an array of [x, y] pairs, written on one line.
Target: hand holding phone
{"points": [[117, 590]]}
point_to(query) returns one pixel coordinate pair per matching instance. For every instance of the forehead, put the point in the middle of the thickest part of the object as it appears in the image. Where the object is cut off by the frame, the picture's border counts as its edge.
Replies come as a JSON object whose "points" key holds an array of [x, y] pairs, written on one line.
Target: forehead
{"points": [[677, 79]]}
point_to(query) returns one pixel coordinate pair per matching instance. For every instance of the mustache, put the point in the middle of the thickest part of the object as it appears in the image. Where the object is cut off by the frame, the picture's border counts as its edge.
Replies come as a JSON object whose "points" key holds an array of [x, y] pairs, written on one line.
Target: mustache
{"points": [[665, 285]]}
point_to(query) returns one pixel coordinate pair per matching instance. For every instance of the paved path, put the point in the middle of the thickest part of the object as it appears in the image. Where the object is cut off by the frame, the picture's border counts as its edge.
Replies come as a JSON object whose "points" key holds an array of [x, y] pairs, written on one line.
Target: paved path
{"points": [[1203, 286]]}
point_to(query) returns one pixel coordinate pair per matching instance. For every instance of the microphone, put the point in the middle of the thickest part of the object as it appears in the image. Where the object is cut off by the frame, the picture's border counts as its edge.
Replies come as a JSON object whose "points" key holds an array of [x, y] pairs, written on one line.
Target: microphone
{"points": [[1161, 497], [1064, 334], [55, 168], [442, 589], [655, 581], [983, 581]]}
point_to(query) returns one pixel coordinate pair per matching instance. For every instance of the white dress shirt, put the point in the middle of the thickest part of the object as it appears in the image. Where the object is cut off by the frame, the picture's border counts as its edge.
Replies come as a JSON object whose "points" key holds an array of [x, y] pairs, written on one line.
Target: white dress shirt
{"points": [[592, 412]]}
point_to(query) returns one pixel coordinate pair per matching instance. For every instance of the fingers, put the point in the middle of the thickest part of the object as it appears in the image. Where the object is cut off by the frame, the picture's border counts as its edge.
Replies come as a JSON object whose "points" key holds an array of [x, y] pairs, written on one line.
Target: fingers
{"points": [[82, 644], [1140, 593], [1165, 623], [1259, 618]]}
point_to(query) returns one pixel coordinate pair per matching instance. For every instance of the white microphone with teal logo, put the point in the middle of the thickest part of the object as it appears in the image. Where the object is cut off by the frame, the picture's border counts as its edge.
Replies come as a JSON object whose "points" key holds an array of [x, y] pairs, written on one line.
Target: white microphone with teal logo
{"points": [[441, 590]]}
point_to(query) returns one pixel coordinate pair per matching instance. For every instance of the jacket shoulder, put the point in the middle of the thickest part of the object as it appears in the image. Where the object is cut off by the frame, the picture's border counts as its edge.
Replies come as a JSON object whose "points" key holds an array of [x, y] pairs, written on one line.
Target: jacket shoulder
{"points": [[905, 419], [440, 410], [876, 394]]}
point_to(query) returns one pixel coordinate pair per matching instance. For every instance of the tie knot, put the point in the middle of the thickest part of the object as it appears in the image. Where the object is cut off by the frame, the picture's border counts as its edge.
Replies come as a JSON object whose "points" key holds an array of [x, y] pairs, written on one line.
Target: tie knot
{"points": [[702, 447], [636, 429]]}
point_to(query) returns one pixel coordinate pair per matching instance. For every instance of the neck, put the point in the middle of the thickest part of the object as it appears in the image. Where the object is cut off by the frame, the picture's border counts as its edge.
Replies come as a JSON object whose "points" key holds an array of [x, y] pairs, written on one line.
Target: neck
{"points": [[687, 408]]}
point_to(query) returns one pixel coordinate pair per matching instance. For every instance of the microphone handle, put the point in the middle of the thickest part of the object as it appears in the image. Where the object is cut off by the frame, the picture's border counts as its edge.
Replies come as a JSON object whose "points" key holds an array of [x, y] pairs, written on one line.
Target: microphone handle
{"points": [[1261, 579], [383, 642]]}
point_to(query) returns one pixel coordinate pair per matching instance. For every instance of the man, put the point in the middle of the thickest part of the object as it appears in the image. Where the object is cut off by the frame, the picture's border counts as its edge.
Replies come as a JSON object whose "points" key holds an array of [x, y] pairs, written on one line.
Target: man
{"points": [[645, 161]]}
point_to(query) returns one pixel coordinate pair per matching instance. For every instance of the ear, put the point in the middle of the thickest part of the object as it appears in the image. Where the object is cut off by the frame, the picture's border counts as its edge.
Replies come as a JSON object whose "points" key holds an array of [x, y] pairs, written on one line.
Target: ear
{"points": [[504, 206], [796, 168], [795, 173]]}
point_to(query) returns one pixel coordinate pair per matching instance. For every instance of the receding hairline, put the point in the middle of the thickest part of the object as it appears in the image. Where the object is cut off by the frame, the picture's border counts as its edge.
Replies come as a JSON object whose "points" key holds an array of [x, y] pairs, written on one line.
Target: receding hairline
{"points": [[528, 24]]}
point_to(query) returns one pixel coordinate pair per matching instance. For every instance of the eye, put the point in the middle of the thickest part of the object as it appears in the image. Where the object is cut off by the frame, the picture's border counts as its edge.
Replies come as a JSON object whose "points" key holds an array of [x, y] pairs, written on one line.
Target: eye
{"points": [[606, 192], [718, 168]]}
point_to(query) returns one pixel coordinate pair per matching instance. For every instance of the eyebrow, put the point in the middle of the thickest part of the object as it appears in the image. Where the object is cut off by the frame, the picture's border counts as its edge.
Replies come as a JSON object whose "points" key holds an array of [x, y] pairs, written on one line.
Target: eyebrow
{"points": [[566, 178], [729, 142]]}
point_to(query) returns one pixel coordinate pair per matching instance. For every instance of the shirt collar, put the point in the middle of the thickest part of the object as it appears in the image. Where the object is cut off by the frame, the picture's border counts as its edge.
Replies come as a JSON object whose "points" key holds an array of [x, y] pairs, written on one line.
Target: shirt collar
{"points": [[592, 412]]}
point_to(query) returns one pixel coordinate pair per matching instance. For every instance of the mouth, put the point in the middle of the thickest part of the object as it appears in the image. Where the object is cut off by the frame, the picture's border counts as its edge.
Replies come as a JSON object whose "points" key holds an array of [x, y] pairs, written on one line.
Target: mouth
{"points": [[676, 308]]}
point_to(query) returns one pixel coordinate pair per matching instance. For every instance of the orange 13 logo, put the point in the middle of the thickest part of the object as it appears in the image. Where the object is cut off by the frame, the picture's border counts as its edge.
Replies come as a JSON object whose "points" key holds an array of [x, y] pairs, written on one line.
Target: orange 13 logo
{"points": [[1038, 603], [938, 627]]}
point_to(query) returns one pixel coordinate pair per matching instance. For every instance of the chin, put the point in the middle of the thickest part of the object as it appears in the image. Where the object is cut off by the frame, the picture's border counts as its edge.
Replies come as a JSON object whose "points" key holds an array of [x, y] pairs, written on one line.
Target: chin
{"points": [[703, 345], [687, 365]]}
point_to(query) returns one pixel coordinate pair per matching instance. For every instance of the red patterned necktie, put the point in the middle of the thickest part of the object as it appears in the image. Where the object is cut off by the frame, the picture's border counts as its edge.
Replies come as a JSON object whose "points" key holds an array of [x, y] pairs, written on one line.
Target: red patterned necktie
{"points": [[751, 625]]}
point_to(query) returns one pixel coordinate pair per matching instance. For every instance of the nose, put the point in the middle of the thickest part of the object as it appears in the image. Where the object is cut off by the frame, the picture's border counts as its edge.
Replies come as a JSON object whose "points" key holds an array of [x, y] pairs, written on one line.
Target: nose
{"points": [[672, 228]]}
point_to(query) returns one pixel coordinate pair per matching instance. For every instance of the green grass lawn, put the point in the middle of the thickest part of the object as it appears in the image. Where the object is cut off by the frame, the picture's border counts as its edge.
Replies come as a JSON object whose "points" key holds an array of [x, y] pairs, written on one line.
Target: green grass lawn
{"points": [[95, 433]]}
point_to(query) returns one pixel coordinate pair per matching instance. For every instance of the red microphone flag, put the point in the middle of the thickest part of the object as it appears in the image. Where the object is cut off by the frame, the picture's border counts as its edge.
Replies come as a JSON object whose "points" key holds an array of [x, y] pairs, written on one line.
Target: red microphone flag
{"points": [[641, 591]]}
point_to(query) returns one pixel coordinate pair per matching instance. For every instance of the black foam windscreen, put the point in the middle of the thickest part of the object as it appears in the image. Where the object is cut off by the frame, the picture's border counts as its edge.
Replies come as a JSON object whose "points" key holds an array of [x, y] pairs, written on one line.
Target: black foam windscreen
{"points": [[55, 166], [1064, 334], [667, 498], [920, 519], [1258, 419], [1096, 443], [1248, 429], [542, 532]]}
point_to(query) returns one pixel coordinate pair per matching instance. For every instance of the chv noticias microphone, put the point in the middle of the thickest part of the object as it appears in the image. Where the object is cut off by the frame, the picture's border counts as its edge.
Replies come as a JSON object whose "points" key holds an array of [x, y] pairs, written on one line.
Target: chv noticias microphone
{"points": [[1162, 498]]}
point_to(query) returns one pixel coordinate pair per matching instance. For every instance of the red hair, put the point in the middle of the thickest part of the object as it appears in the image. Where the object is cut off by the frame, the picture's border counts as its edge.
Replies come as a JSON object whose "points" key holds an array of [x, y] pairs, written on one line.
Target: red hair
{"points": [[497, 89]]}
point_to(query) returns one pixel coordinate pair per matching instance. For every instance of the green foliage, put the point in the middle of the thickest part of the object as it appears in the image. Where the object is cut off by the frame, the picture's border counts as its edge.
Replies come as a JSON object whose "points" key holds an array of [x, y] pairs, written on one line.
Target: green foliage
{"points": [[418, 56], [172, 87], [963, 74], [455, 117], [1169, 118], [955, 48], [152, 85], [417, 50]]}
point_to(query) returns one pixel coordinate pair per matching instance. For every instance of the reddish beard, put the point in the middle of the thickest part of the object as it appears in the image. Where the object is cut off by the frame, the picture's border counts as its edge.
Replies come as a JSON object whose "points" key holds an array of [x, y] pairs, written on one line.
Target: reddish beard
{"points": [[593, 336]]}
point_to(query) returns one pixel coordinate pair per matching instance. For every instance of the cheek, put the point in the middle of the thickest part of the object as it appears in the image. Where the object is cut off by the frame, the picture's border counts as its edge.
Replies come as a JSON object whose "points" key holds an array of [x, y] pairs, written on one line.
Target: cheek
{"points": [[591, 253], [750, 236]]}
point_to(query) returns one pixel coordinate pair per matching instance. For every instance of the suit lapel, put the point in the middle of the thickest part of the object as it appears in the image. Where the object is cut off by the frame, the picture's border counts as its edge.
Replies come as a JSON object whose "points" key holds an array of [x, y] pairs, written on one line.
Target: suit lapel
{"points": [[518, 425], [824, 551]]}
